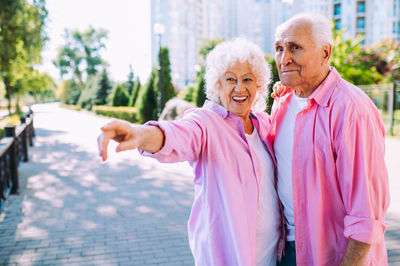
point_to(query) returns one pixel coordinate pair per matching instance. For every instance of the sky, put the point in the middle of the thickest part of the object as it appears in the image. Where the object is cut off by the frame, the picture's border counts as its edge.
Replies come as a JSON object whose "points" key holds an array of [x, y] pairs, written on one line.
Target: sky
{"points": [[128, 26]]}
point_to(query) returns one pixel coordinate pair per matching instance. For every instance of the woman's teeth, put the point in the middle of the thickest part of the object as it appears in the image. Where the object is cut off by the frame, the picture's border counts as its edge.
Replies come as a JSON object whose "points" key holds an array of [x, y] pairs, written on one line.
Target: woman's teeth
{"points": [[239, 98]]}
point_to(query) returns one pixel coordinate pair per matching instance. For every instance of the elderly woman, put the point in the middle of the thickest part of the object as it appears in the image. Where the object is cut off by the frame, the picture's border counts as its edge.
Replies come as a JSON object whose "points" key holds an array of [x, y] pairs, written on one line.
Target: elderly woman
{"points": [[235, 217]]}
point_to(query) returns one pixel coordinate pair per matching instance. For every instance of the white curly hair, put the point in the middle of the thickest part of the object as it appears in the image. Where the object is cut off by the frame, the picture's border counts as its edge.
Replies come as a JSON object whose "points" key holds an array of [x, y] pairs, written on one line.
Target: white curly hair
{"points": [[228, 53]]}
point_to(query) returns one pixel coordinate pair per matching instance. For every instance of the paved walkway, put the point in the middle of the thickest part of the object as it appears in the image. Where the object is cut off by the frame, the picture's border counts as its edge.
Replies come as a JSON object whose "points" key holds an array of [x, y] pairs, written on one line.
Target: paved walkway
{"points": [[75, 210]]}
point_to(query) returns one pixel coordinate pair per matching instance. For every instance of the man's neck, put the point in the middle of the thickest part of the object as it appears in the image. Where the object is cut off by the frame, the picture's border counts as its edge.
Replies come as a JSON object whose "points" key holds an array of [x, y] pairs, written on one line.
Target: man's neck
{"points": [[306, 92]]}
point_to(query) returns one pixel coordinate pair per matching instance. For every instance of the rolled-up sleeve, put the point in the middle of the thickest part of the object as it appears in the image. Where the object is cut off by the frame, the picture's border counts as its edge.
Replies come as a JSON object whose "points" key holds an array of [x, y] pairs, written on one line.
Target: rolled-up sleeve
{"points": [[183, 139], [363, 177]]}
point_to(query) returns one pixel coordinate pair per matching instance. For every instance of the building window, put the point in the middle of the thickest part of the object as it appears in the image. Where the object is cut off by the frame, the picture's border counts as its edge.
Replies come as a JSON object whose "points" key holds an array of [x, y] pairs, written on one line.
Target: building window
{"points": [[336, 10], [394, 27], [361, 7], [337, 24], [361, 23]]}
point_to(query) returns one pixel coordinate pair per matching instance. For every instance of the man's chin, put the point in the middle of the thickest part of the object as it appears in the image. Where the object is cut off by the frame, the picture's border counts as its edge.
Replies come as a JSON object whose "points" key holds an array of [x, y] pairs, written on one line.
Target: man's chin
{"points": [[287, 83]]}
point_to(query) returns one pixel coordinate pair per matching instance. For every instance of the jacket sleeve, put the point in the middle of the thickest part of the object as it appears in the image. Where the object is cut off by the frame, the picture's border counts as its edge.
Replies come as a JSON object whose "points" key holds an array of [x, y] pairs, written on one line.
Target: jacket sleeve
{"points": [[362, 176], [184, 139]]}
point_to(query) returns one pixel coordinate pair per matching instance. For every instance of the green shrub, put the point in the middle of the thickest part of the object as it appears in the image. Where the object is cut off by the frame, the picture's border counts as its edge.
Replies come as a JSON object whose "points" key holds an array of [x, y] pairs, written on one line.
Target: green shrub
{"points": [[120, 112], [70, 107]]}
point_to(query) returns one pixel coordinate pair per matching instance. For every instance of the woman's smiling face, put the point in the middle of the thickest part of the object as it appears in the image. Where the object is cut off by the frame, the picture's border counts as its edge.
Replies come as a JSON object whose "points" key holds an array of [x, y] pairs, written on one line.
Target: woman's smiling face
{"points": [[238, 88]]}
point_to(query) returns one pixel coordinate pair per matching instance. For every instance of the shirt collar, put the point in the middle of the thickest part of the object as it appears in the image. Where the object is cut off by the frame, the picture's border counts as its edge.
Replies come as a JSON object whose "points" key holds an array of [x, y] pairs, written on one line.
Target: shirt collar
{"points": [[217, 108], [322, 94]]}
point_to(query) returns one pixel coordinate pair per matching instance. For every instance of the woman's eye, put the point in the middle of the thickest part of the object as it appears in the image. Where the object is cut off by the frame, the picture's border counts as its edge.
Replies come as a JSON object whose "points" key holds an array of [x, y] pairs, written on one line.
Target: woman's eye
{"points": [[230, 79], [248, 80]]}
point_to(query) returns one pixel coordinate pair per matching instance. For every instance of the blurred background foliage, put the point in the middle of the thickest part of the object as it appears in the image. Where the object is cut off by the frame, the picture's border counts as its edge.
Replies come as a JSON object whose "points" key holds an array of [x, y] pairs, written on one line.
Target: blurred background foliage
{"points": [[84, 80]]}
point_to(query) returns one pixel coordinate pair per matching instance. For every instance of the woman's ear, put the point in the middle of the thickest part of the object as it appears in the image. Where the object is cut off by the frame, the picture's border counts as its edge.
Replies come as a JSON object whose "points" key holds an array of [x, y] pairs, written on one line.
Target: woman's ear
{"points": [[218, 86]]}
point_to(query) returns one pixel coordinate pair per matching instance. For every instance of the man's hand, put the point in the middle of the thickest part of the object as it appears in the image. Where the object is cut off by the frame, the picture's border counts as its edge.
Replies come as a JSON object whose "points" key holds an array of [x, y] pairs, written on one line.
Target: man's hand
{"points": [[278, 89], [355, 254], [122, 132]]}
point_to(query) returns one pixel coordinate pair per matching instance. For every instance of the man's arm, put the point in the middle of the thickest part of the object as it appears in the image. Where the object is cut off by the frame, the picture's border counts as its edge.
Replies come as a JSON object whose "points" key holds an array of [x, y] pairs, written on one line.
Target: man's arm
{"points": [[355, 254]]}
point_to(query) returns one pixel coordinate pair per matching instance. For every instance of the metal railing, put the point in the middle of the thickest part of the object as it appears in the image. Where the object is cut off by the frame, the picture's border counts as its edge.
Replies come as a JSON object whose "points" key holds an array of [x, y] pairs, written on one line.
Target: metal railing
{"points": [[387, 99], [13, 150]]}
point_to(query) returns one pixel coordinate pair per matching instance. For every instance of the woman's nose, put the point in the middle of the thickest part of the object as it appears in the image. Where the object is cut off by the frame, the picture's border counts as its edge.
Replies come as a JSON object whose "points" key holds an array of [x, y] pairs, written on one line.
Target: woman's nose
{"points": [[238, 86]]}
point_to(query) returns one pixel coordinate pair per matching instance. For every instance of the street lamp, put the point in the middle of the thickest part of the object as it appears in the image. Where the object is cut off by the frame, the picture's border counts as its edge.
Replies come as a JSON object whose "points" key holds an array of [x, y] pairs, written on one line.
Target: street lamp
{"points": [[159, 30]]}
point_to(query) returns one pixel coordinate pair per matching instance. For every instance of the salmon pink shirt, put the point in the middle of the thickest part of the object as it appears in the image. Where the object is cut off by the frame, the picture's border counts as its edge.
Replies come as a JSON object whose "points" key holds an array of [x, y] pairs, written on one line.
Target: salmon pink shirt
{"points": [[339, 176], [223, 220]]}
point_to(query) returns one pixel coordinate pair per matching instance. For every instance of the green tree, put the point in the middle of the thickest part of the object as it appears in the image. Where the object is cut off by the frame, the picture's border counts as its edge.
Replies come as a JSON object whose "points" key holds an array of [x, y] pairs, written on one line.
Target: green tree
{"points": [[120, 97], [201, 90], [87, 96], [274, 78], [130, 83], [167, 89], [352, 60], [39, 85], [386, 57], [22, 37], [135, 93], [68, 92], [104, 89], [148, 107], [207, 46], [80, 56], [187, 94]]}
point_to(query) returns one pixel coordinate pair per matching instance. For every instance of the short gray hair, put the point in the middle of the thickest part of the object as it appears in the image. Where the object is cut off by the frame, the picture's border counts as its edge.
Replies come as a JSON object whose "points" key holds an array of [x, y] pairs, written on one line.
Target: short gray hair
{"points": [[228, 53], [321, 27]]}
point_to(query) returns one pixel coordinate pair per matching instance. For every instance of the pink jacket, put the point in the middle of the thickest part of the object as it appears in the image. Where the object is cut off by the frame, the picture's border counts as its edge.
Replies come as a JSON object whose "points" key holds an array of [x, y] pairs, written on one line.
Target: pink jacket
{"points": [[222, 223], [340, 181]]}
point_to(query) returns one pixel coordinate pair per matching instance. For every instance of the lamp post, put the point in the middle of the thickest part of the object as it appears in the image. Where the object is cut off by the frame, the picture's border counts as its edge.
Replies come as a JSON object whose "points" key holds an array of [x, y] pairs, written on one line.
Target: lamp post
{"points": [[159, 31]]}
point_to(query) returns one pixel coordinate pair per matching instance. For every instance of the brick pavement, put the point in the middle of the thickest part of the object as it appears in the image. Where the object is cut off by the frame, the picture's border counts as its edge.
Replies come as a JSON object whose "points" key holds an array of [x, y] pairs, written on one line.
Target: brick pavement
{"points": [[74, 210]]}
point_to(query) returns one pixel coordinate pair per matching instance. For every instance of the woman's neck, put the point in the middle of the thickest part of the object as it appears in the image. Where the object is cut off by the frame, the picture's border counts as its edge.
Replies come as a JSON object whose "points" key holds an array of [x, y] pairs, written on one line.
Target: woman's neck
{"points": [[247, 125]]}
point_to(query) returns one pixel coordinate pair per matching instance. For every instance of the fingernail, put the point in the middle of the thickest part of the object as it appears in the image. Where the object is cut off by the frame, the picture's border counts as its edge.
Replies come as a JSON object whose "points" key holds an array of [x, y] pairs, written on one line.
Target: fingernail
{"points": [[118, 149]]}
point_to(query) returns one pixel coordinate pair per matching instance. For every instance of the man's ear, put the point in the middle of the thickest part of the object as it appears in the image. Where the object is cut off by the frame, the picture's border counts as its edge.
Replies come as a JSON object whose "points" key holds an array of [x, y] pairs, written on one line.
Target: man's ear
{"points": [[326, 53]]}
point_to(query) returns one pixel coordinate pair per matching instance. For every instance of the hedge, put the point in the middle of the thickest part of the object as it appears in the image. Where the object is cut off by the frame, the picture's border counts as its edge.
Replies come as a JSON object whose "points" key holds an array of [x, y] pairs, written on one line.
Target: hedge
{"points": [[70, 107], [8, 120], [120, 112]]}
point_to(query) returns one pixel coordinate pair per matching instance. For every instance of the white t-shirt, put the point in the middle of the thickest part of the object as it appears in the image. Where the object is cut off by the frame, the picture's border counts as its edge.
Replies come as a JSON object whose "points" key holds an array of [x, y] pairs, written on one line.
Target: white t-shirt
{"points": [[268, 217], [283, 148]]}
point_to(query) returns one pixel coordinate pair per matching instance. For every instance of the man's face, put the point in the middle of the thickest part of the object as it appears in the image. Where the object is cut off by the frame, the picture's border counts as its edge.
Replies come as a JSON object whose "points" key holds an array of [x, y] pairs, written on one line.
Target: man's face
{"points": [[298, 59]]}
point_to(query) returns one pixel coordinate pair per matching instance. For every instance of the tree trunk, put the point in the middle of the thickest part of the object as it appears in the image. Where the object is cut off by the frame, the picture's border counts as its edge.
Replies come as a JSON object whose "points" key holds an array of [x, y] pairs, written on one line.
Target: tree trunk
{"points": [[8, 93], [17, 107]]}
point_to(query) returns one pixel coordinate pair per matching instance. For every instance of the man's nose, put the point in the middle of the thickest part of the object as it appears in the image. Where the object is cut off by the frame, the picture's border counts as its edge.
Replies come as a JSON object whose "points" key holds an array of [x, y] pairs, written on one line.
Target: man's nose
{"points": [[286, 57]]}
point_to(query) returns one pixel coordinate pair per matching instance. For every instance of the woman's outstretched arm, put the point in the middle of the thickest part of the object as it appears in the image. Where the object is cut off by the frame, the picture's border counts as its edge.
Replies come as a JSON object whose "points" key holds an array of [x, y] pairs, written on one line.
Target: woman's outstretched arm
{"points": [[147, 138]]}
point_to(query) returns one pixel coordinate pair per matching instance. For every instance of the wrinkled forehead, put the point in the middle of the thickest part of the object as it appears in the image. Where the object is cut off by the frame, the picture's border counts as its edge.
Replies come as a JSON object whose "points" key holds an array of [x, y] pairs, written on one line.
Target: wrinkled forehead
{"points": [[294, 32], [240, 67]]}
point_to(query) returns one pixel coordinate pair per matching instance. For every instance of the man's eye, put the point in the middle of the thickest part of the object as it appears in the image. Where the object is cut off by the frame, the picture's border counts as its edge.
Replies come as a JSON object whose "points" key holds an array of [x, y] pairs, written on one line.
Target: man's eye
{"points": [[230, 79], [279, 49], [248, 80], [296, 47]]}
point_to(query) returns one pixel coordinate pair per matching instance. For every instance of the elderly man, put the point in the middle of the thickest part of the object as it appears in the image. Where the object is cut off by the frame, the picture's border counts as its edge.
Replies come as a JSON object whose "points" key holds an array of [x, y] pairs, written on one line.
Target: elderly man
{"points": [[329, 145]]}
